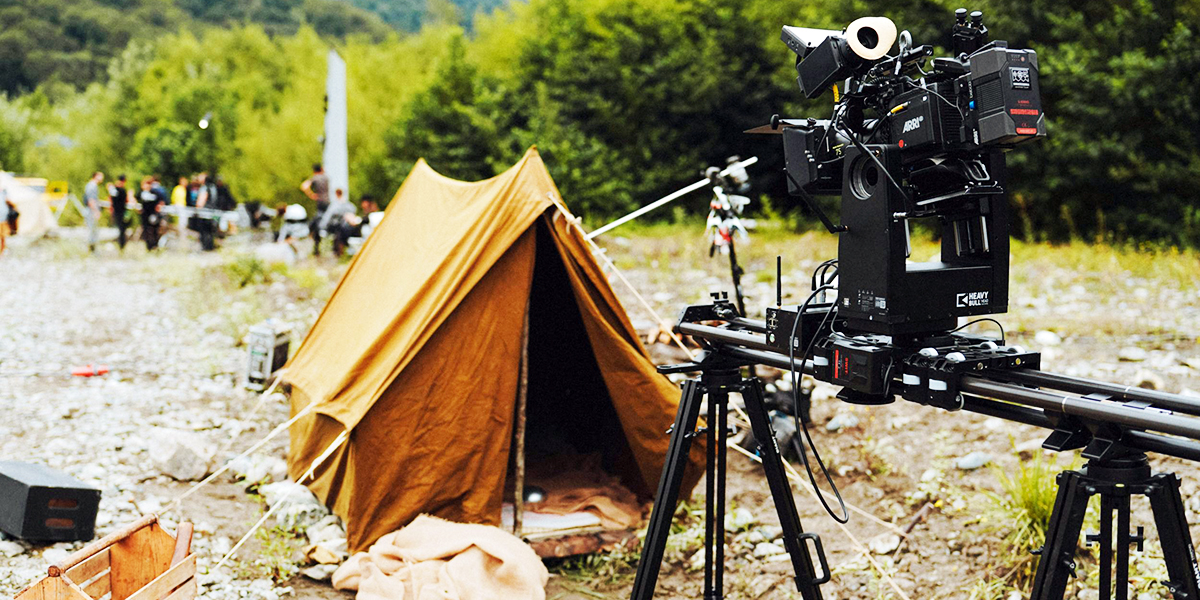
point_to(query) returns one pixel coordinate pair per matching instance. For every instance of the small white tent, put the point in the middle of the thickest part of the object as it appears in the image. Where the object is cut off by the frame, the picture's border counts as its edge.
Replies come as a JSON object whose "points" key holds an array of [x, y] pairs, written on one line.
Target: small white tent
{"points": [[29, 197]]}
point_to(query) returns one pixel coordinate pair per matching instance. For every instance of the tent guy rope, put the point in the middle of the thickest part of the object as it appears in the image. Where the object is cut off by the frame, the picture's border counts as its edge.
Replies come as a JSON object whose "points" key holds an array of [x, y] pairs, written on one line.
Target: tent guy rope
{"points": [[229, 463], [598, 251], [665, 199], [312, 468]]}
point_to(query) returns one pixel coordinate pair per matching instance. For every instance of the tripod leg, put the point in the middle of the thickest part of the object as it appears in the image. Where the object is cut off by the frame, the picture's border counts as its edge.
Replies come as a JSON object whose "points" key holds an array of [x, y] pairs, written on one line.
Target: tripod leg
{"points": [[794, 537], [1122, 501], [668, 491], [1058, 553], [722, 425], [1106, 545], [710, 494], [1171, 521]]}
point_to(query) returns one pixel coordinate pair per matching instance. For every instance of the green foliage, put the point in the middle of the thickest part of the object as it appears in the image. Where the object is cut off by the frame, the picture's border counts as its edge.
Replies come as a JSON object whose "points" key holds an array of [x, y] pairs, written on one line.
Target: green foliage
{"points": [[15, 135], [245, 269], [278, 555]]}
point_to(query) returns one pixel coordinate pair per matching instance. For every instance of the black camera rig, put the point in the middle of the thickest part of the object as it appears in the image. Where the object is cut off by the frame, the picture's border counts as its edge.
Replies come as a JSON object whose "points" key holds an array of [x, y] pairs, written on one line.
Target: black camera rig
{"points": [[905, 144]]}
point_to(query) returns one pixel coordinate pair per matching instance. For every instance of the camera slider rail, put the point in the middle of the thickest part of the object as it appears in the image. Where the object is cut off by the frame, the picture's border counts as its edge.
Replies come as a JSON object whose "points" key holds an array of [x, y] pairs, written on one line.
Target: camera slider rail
{"points": [[1114, 425]]}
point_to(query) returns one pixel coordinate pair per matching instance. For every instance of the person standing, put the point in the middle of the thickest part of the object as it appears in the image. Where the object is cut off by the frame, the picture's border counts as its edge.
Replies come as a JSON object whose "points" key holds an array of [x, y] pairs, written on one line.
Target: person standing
{"points": [[317, 189], [152, 199], [180, 193], [118, 198], [334, 217], [91, 209], [204, 225]]}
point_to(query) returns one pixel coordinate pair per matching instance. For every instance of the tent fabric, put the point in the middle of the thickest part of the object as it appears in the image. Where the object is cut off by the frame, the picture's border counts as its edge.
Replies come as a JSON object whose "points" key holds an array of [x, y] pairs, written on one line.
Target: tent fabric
{"points": [[418, 351], [36, 217]]}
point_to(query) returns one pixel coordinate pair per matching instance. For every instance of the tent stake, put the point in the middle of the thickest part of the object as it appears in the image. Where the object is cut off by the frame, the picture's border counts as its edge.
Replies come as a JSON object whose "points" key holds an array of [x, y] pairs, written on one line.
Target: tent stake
{"points": [[522, 391]]}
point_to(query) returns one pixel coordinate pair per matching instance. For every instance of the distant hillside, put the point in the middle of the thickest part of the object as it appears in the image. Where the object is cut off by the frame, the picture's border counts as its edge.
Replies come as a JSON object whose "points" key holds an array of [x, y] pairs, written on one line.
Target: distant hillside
{"points": [[408, 14], [73, 41]]}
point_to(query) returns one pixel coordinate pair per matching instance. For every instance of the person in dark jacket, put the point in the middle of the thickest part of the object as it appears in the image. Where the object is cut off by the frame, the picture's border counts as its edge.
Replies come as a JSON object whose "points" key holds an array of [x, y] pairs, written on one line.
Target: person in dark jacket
{"points": [[118, 198], [152, 199]]}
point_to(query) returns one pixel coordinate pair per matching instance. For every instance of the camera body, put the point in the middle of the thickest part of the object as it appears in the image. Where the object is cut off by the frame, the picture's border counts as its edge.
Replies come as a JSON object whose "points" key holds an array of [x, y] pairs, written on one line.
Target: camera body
{"points": [[907, 145]]}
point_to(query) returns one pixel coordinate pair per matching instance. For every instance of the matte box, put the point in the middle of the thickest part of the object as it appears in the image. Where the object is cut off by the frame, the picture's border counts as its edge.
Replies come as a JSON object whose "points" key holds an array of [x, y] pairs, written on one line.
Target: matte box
{"points": [[39, 503]]}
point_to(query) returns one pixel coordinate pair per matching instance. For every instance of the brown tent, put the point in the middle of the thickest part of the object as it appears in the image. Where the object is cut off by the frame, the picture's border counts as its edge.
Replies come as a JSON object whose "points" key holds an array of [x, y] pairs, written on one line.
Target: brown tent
{"points": [[418, 354]]}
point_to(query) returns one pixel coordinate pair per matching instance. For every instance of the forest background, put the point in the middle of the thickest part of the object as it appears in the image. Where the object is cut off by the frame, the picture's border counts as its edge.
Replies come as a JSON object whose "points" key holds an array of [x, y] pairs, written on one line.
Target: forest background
{"points": [[626, 99]]}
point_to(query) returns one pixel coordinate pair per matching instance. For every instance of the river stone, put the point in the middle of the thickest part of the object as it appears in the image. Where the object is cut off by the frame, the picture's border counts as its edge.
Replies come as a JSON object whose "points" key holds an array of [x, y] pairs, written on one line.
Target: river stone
{"points": [[973, 461]]}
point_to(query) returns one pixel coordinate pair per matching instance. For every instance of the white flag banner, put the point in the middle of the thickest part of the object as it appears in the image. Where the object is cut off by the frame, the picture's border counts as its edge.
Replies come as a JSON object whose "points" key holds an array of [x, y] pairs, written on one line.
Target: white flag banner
{"points": [[336, 156]]}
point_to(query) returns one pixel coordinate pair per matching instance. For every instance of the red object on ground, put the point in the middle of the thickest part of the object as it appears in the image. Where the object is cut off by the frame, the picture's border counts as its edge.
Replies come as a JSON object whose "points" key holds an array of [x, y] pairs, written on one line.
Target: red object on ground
{"points": [[89, 370]]}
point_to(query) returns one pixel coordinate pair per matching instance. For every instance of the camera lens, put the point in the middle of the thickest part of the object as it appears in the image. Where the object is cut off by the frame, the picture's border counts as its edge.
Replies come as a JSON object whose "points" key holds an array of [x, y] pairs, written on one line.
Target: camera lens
{"points": [[864, 176]]}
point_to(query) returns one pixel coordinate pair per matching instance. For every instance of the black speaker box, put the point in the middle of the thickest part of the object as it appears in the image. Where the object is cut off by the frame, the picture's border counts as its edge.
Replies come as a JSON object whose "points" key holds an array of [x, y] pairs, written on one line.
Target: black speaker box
{"points": [[39, 503]]}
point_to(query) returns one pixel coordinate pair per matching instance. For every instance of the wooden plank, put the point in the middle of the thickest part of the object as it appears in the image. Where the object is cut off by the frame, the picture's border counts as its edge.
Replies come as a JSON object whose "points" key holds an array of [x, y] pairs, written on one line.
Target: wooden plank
{"points": [[98, 586], [187, 591], [183, 543], [104, 542], [88, 569], [52, 588], [163, 584], [138, 559]]}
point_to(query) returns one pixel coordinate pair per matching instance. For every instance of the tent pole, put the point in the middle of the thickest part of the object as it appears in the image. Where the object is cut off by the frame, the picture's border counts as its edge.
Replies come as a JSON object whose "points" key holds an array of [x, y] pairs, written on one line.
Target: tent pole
{"points": [[522, 392]]}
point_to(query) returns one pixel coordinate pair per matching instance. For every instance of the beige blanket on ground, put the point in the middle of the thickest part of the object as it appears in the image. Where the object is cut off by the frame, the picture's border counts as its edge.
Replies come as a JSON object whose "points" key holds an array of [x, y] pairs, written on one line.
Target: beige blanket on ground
{"points": [[433, 559]]}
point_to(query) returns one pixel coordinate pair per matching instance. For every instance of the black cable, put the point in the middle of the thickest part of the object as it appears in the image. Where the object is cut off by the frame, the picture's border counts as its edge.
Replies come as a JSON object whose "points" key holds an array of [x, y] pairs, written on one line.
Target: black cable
{"points": [[875, 159], [818, 271], [998, 324], [812, 478]]}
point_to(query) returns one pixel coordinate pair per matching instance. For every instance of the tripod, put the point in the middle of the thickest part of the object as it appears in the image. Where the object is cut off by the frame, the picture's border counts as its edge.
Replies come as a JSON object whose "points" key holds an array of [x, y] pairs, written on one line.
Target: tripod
{"points": [[720, 376], [1115, 480]]}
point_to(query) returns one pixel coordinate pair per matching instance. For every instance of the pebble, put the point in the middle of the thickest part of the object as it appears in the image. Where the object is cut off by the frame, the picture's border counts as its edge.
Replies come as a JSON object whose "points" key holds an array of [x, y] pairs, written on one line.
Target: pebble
{"points": [[319, 572], [1132, 354], [1047, 338], [11, 549], [973, 461], [841, 421], [884, 544], [739, 519], [1147, 379], [766, 549]]}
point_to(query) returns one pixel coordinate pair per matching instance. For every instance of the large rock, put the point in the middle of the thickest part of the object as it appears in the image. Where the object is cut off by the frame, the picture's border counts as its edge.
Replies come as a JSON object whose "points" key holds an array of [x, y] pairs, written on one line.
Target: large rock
{"points": [[182, 455]]}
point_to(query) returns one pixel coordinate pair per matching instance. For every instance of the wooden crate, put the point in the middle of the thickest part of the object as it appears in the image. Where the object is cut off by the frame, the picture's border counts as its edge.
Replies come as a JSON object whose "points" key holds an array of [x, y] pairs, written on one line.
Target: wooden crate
{"points": [[140, 562]]}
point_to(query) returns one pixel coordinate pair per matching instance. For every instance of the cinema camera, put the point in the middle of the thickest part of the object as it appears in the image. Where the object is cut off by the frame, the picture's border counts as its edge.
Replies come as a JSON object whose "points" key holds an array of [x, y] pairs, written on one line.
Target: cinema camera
{"points": [[907, 144]]}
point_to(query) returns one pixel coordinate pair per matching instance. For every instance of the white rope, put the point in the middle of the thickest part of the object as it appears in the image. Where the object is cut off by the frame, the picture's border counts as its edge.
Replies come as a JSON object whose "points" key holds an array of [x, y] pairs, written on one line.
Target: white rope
{"points": [[262, 401], [338, 441], [597, 250], [665, 199], [228, 464]]}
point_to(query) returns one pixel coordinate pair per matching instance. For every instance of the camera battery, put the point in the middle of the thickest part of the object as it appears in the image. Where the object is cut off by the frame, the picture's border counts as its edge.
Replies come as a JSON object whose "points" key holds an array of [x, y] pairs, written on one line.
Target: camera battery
{"points": [[39, 503], [860, 365]]}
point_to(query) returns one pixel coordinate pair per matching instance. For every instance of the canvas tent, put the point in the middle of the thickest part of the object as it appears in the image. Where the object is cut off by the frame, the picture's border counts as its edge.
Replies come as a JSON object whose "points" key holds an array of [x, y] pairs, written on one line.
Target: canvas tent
{"points": [[27, 194], [417, 355]]}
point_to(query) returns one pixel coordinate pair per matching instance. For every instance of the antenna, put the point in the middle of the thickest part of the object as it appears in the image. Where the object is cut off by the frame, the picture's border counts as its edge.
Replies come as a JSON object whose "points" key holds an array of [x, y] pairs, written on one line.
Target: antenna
{"points": [[778, 281]]}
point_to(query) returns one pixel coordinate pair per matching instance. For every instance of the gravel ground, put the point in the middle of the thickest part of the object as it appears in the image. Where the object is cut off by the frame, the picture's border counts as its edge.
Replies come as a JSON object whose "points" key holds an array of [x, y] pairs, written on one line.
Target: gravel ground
{"points": [[168, 372], [169, 333]]}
